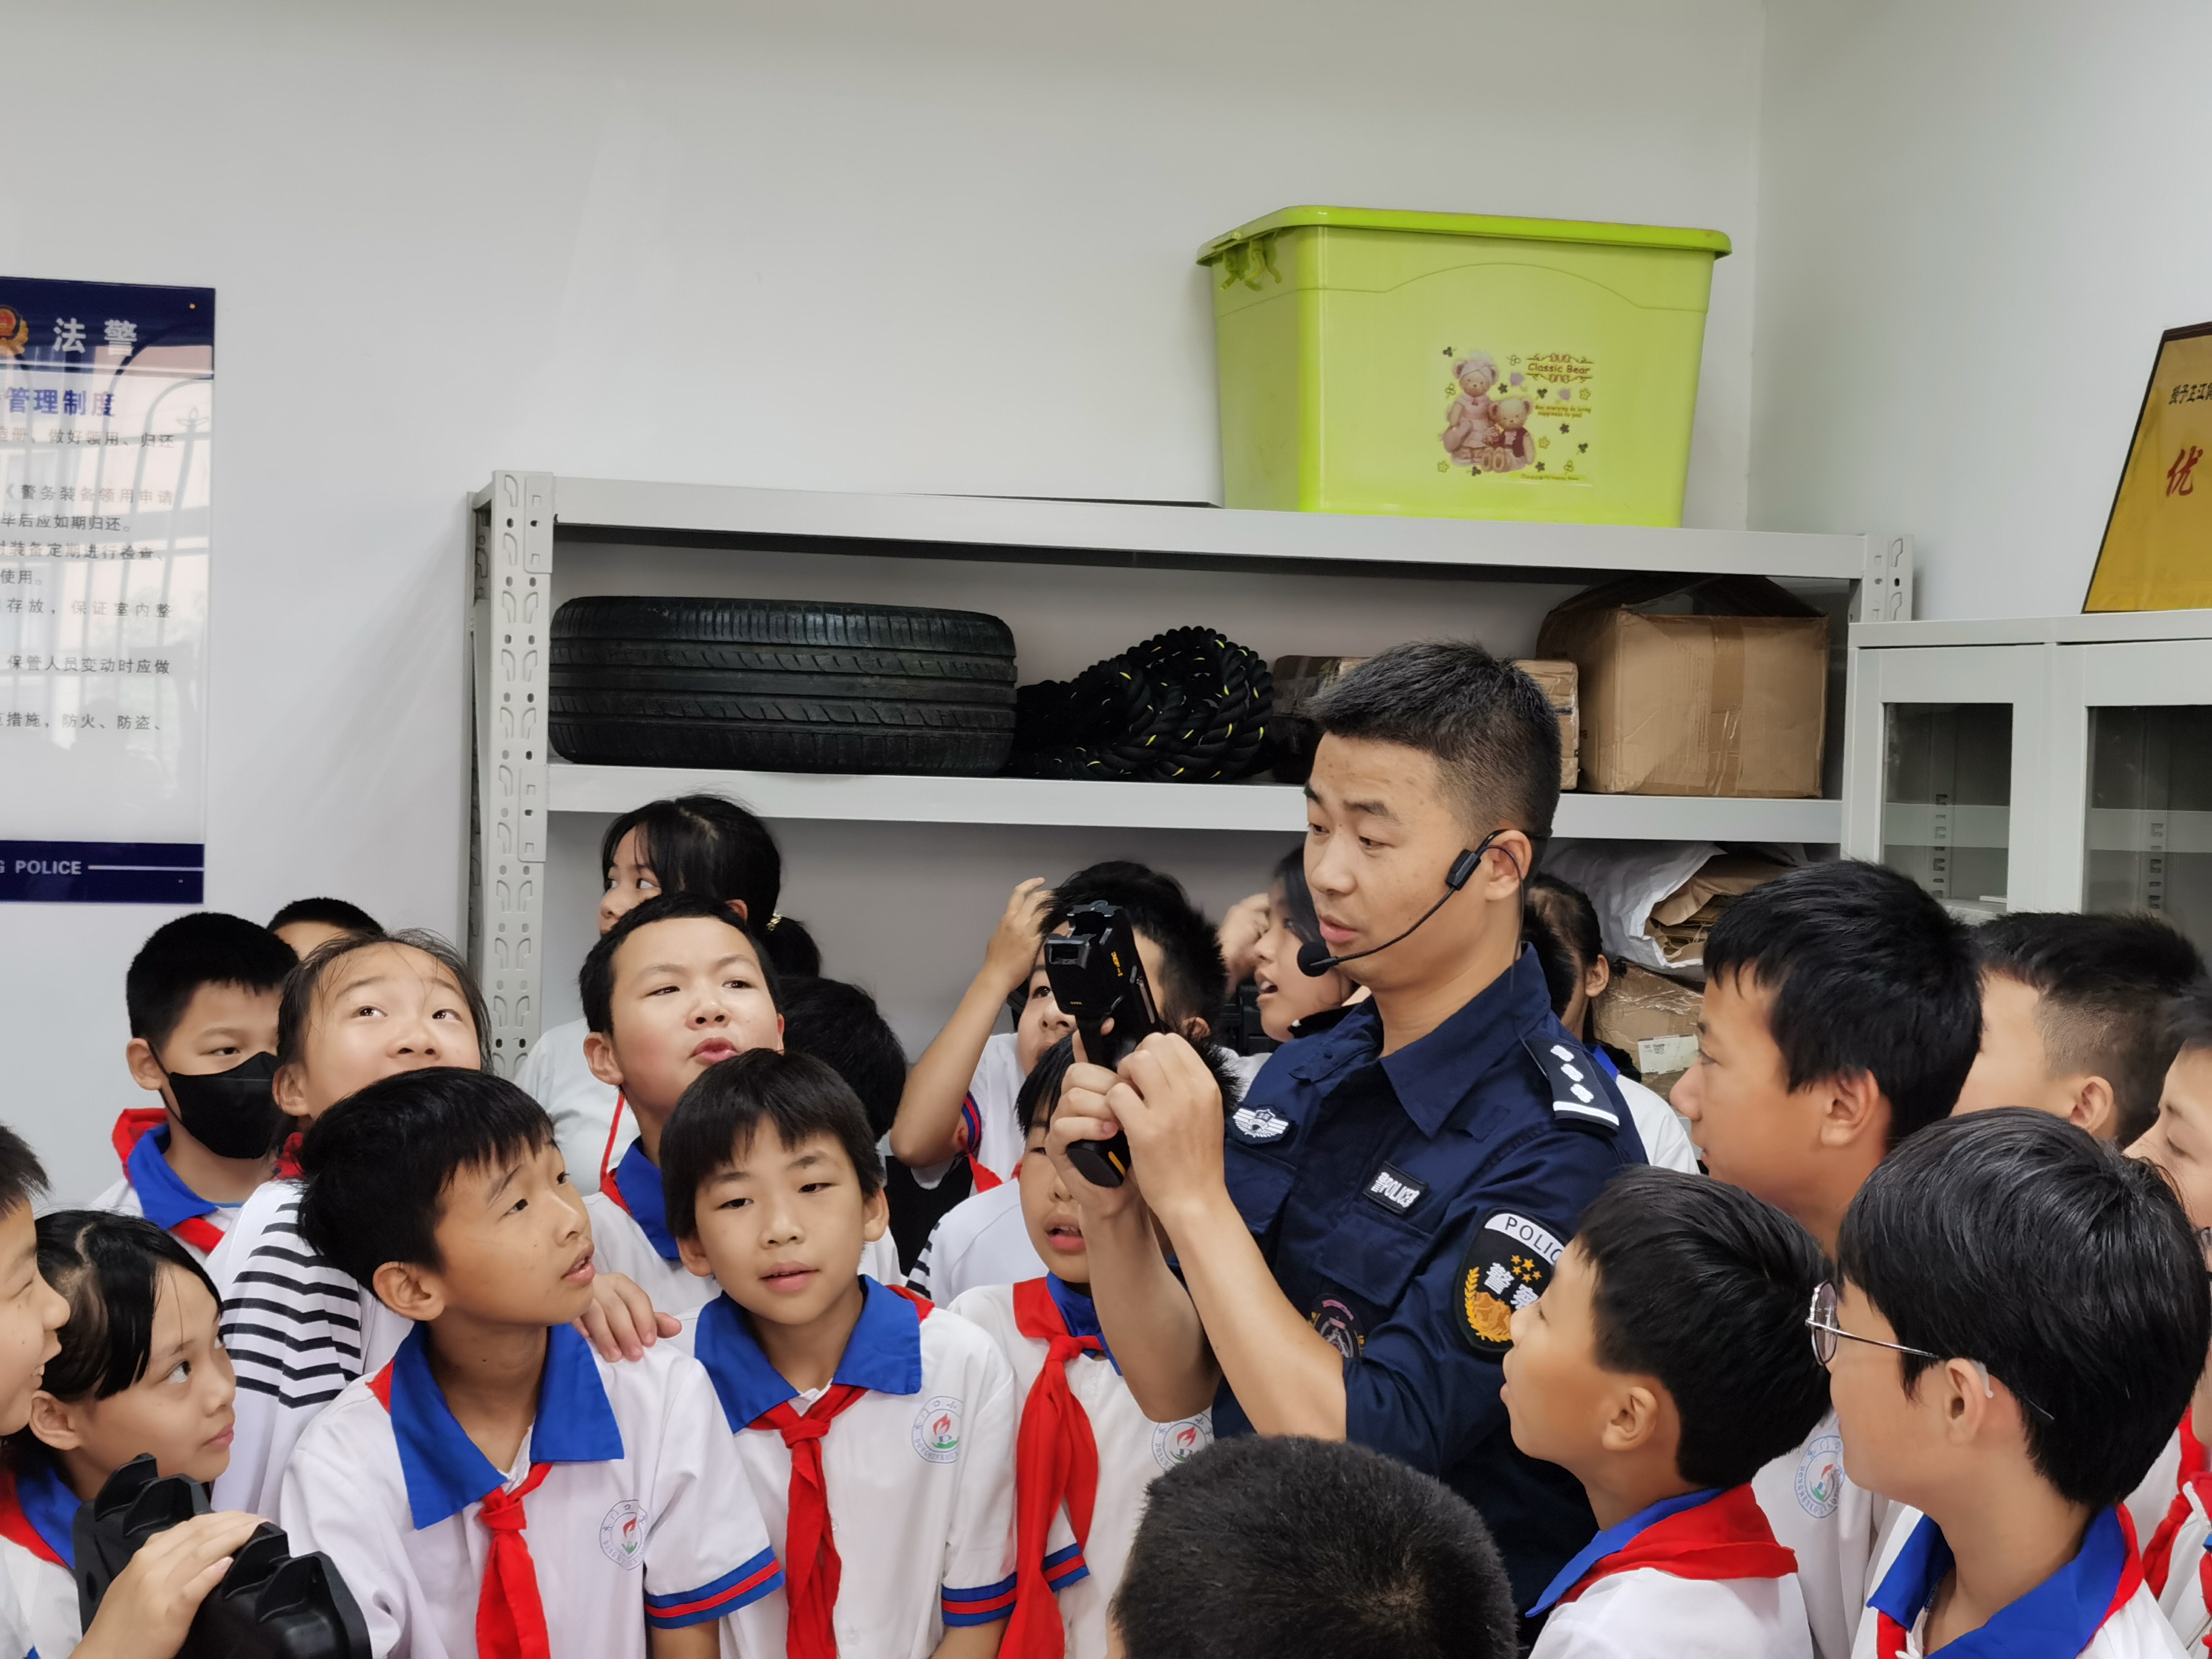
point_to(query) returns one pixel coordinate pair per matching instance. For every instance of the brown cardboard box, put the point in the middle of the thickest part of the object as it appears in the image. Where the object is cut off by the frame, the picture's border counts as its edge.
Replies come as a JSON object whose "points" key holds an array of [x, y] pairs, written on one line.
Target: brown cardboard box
{"points": [[1732, 701], [1655, 1019], [1300, 679], [1560, 683]]}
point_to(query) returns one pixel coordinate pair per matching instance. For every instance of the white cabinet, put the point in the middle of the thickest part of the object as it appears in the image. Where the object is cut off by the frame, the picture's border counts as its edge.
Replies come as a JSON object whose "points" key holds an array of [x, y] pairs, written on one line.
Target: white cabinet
{"points": [[2059, 764]]}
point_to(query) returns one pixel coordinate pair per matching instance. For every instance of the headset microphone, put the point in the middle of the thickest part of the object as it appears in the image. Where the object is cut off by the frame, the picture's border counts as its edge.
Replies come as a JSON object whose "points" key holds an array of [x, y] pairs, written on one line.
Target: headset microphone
{"points": [[1314, 959]]}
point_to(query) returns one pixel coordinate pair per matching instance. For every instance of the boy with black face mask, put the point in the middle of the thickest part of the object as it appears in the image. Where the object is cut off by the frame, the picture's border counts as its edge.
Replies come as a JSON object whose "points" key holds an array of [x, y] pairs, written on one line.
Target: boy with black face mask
{"points": [[203, 994]]}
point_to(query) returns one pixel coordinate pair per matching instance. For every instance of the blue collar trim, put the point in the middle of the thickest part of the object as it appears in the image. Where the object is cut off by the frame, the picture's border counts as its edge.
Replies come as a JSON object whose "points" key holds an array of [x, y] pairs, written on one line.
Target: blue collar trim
{"points": [[1432, 1077], [445, 1473], [2056, 1620], [1613, 1540], [49, 1505], [162, 1193], [884, 1354], [640, 1180], [1081, 1314]]}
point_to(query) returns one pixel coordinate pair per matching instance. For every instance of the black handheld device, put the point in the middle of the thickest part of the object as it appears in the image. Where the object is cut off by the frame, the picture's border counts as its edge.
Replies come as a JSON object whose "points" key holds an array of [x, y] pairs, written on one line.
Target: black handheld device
{"points": [[1096, 977], [271, 1604]]}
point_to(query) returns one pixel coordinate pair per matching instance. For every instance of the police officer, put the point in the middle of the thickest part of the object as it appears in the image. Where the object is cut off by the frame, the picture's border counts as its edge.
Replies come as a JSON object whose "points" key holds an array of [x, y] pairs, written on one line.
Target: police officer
{"points": [[1351, 1244]]}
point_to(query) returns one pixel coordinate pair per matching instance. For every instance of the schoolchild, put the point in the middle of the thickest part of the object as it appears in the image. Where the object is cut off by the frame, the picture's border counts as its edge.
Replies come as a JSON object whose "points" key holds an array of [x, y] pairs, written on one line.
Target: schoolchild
{"points": [[692, 844], [2073, 1017], [1664, 1363], [1292, 1002], [1560, 925], [2171, 1508], [141, 1370], [308, 924], [984, 1239], [1287, 1548], [877, 1432], [296, 1327], [201, 994], [1086, 1451], [150, 1605], [496, 1487], [2021, 1313], [1842, 1011]]}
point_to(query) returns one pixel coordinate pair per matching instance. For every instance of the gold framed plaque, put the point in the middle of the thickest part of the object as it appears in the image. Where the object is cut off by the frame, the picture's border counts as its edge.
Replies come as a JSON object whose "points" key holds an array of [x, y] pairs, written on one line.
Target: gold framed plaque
{"points": [[2157, 551]]}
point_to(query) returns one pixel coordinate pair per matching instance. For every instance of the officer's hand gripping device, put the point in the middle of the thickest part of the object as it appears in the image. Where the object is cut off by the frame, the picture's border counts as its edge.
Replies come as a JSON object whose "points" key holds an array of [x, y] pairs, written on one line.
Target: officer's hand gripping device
{"points": [[1096, 977]]}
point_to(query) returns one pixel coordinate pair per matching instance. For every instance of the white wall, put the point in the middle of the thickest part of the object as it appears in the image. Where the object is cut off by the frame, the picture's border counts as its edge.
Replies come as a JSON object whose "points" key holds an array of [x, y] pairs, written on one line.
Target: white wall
{"points": [[1976, 217], [861, 245]]}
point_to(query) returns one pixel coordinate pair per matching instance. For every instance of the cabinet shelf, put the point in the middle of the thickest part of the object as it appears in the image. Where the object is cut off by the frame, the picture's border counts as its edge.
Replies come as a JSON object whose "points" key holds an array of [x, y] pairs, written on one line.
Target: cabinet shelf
{"points": [[1083, 804]]}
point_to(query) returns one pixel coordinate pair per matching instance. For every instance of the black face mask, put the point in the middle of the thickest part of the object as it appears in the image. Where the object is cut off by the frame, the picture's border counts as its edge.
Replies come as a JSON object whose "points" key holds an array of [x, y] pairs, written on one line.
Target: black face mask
{"points": [[233, 1114]]}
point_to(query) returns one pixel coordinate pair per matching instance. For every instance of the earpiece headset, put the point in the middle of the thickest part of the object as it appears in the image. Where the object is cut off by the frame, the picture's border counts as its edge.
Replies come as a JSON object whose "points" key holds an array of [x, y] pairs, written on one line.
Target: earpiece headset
{"points": [[1314, 959]]}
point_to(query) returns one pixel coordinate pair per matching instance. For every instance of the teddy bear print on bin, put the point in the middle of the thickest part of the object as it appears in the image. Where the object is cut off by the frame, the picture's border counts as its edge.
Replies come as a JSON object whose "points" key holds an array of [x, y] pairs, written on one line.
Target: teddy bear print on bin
{"points": [[1510, 451], [1470, 428]]}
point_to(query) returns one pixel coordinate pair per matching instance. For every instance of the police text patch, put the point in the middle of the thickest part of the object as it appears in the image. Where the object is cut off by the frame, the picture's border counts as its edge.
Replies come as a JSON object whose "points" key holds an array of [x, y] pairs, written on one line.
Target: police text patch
{"points": [[1395, 1190], [1508, 1263]]}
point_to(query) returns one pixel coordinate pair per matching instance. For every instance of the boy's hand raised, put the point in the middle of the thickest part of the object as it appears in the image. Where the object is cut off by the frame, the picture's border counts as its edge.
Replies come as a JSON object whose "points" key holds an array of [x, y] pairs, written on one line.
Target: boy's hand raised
{"points": [[1241, 932], [147, 1611], [621, 1322], [1011, 953]]}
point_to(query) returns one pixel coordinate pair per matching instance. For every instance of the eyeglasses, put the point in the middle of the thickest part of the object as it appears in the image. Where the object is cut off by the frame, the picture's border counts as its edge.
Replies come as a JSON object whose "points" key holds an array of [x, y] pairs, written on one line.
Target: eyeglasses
{"points": [[1820, 1321]]}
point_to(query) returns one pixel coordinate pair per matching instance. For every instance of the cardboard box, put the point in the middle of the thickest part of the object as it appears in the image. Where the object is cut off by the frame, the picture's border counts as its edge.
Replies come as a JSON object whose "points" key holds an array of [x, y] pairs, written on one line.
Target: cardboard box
{"points": [[1729, 700], [1560, 683], [1655, 1019], [1299, 680]]}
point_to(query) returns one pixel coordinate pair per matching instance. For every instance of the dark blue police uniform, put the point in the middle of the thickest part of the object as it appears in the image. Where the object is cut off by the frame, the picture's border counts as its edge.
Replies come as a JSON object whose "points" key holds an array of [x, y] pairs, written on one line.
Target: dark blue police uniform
{"points": [[1407, 1206]]}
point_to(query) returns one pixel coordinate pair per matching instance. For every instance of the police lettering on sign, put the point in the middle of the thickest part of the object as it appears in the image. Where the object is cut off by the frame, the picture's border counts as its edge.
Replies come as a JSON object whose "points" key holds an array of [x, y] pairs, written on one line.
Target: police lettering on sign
{"points": [[1509, 1262]]}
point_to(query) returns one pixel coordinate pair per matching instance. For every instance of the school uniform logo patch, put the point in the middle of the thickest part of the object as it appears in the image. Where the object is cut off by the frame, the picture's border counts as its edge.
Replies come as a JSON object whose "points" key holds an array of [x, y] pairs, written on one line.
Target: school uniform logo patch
{"points": [[1258, 1126], [1177, 1443], [1508, 1263], [936, 1429], [1820, 1476], [622, 1534]]}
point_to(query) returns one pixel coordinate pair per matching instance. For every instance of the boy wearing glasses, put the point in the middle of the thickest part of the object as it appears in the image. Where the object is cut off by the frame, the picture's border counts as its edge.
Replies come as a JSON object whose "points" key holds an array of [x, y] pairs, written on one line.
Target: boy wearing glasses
{"points": [[1665, 1362], [2022, 1311], [1842, 1013]]}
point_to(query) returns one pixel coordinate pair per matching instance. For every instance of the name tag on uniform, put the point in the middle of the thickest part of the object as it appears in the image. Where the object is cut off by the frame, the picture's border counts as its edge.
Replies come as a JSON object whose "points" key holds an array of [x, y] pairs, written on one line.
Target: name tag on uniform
{"points": [[1396, 1191]]}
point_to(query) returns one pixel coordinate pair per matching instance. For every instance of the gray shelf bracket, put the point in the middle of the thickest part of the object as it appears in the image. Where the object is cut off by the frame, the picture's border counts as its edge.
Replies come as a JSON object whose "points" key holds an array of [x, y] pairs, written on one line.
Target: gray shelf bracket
{"points": [[510, 619], [1885, 588]]}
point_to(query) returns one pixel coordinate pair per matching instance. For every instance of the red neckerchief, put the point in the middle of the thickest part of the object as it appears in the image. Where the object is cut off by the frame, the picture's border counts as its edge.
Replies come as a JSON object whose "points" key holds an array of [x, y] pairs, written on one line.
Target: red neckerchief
{"points": [[2195, 1472], [606, 1158], [971, 1135], [134, 1126], [15, 1526], [1055, 1461], [812, 1567], [1725, 1538], [287, 1158]]}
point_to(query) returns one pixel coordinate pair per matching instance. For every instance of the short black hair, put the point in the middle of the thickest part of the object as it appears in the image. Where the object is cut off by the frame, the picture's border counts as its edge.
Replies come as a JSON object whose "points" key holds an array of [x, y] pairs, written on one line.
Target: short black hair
{"points": [[379, 1164], [1040, 1091], [840, 1023], [800, 1097], [1488, 726], [1868, 973], [108, 1268], [2068, 1269], [595, 982], [1279, 1547], [1197, 980], [298, 1006], [22, 1177], [204, 948], [711, 846], [2102, 985], [2189, 1020], [330, 911], [1704, 1287]]}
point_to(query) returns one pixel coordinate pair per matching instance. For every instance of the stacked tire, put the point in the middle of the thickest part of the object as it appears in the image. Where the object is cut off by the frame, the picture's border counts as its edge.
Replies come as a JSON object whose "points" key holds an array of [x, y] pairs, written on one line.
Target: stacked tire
{"points": [[780, 685]]}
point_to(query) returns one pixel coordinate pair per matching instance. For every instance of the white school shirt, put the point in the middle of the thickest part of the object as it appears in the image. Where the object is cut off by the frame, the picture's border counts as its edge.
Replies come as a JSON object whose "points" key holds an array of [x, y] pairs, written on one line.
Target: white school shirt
{"points": [[14, 1628], [990, 1134], [2087, 1608], [2147, 1503], [37, 1557], [1667, 1144], [981, 1240], [2187, 1566], [1647, 1610], [643, 1519], [583, 1108], [149, 1188], [298, 1329], [1834, 1527], [1134, 1451], [919, 1471], [630, 1235]]}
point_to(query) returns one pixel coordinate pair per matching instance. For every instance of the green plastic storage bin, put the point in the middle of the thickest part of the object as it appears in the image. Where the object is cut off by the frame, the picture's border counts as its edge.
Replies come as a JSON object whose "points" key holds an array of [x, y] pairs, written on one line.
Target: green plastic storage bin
{"points": [[1450, 365]]}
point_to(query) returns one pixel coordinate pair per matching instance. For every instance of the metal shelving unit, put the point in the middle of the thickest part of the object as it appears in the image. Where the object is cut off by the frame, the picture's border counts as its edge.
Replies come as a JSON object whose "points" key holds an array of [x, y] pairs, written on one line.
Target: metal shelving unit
{"points": [[522, 520]]}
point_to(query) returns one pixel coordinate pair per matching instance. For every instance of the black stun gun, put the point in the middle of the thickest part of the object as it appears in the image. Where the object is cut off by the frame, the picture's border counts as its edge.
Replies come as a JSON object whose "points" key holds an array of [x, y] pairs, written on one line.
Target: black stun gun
{"points": [[271, 1604], [1096, 977]]}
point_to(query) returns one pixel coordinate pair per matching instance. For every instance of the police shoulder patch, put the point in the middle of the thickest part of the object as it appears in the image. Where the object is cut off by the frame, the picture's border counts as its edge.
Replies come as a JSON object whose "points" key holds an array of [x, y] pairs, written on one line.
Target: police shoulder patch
{"points": [[1579, 1099], [1509, 1262]]}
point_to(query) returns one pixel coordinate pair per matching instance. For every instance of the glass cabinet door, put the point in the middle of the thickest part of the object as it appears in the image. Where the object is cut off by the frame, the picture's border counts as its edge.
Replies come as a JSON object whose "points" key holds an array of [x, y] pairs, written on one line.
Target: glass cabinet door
{"points": [[2146, 799]]}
